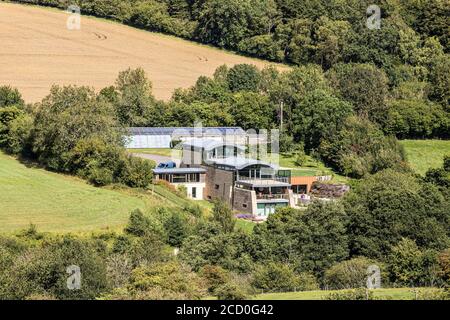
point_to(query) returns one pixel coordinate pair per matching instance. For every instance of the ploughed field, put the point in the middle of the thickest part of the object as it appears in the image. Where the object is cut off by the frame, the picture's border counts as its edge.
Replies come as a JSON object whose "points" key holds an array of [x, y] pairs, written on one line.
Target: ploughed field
{"points": [[37, 50]]}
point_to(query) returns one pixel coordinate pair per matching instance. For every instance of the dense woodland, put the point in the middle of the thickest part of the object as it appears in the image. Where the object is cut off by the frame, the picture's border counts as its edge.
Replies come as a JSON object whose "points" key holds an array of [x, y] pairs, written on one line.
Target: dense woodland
{"points": [[350, 94]]}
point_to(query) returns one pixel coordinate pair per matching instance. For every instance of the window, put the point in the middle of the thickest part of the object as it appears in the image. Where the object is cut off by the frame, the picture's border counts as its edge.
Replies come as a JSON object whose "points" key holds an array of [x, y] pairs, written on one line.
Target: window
{"points": [[194, 193], [244, 205], [216, 187]]}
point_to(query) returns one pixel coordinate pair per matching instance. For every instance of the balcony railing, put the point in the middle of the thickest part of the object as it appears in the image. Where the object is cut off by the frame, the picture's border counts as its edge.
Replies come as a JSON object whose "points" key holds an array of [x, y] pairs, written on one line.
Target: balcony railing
{"points": [[272, 196]]}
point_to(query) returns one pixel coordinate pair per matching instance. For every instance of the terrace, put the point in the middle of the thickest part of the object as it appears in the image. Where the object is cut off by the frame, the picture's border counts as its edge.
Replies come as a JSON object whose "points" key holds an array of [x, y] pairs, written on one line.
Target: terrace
{"points": [[272, 190]]}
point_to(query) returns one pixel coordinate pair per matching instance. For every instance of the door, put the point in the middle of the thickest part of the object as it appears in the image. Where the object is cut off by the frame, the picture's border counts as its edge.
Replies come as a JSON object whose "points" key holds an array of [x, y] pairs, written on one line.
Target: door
{"points": [[194, 193]]}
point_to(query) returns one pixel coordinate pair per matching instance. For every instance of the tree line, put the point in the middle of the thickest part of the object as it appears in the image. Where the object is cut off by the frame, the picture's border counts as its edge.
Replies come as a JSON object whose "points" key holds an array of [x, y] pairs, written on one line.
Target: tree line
{"points": [[412, 45], [348, 117]]}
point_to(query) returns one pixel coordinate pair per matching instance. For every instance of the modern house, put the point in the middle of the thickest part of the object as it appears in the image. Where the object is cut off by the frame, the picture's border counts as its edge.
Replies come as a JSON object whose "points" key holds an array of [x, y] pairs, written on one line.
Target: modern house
{"points": [[161, 138], [211, 169], [247, 185]]}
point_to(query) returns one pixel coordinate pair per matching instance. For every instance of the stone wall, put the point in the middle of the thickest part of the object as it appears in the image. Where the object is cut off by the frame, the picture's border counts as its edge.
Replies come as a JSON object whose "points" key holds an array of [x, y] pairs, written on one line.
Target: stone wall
{"points": [[219, 184], [244, 201]]}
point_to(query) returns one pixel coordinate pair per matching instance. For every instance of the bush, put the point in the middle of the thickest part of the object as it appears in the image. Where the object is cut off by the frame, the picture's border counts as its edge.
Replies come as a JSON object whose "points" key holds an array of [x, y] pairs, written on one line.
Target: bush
{"points": [[276, 277], [176, 229], [230, 291], [307, 282], [300, 158], [100, 176], [7, 115], [360, 148], [411, 119], [223, 215], [170, 279], [18, 140], [348, 274], [215, 277], [43, 271], [138, 224], [136, 172]]}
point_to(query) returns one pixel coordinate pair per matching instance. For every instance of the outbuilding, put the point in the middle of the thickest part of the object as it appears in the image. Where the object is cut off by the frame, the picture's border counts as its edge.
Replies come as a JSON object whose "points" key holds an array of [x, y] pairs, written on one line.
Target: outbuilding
{"points": [[164, 137]]}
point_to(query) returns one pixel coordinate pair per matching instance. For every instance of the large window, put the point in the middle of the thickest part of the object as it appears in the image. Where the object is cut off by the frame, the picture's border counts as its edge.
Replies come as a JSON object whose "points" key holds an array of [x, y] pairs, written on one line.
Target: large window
{"points": [[180, 177]]}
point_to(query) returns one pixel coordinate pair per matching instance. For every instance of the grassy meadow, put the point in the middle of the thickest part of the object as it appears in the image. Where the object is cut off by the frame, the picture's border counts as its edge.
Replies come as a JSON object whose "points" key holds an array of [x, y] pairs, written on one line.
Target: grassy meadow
{"points": [[425, 154], [60, 203]]}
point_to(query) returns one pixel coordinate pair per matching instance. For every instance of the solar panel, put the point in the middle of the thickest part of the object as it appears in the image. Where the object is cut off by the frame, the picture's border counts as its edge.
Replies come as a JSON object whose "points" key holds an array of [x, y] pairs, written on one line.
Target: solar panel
{"points": [[185, 130]]}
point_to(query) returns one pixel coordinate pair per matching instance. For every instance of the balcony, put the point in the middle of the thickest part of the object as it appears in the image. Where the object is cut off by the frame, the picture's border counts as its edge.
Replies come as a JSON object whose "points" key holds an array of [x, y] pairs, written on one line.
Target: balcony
{"points": [[263, 181], [272, 197]]}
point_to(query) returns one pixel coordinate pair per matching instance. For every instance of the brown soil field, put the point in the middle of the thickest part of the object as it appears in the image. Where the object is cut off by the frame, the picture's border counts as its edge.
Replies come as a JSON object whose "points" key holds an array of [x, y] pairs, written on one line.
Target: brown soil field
{"points": [[37, 50]]}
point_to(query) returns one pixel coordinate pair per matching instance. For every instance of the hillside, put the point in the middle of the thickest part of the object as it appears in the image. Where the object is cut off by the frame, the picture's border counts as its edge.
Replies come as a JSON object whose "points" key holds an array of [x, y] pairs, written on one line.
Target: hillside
{"points": [[35, 57], [55, 202], [425, 154]]}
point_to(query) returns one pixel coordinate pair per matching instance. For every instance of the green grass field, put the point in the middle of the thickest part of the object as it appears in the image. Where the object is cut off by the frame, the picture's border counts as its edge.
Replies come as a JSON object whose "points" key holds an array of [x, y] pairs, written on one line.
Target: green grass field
{"points": [[312, 167], [425, 154], [59, 203], [382, 294]]}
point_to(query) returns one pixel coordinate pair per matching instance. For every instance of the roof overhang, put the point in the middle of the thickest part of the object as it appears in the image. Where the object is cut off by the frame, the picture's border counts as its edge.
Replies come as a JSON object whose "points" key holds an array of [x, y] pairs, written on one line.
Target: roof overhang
{"points": [[240, 163], [179, 171]]}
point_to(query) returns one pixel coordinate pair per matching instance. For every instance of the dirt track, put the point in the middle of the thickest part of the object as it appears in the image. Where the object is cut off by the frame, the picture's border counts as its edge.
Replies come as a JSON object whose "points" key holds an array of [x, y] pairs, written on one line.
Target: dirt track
{"points": [[37, 50]]}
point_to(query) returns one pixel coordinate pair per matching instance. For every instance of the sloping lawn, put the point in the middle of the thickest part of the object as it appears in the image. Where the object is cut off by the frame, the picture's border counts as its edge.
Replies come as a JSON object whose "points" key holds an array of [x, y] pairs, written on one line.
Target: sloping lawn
{"points": [[425, 154], [59, 203]]}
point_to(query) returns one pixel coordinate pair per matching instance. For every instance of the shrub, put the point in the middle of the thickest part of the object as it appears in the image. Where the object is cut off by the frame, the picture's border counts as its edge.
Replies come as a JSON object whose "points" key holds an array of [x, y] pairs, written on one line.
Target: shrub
{"points": [[176, 229], [215, 277], [136, 172], [170, 279], [43, 270], [18, 140], [300, 158], [100, 176], [147, 249], [348, 274], [307, 282], [230, 291], [223, 214], [138, 224], [276, 277]]}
